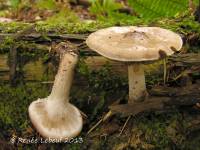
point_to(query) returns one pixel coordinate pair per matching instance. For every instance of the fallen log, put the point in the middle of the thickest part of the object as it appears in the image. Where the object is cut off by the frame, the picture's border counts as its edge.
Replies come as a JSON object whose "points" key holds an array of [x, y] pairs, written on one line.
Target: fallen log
{"points": [[79, 39], [162, 99], [43, 37], [35, 70], [185, 59]]}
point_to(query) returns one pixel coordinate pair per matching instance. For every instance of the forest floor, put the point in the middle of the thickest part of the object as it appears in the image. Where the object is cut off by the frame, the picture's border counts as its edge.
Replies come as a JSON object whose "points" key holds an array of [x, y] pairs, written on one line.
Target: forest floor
{"points": [[34, 30]]}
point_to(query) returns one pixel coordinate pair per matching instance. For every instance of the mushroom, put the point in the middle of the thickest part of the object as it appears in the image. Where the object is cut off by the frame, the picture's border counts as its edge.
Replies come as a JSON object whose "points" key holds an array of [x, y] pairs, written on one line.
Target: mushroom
{"points": [[135, 46], [5, 20], [54, 117]]}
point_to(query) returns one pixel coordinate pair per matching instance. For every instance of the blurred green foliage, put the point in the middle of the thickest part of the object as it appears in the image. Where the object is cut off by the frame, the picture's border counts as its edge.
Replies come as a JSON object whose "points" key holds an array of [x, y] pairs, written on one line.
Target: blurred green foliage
{"points": [[46, 4], [145, 9], [108, 11], [14, 3], [104, 7]]}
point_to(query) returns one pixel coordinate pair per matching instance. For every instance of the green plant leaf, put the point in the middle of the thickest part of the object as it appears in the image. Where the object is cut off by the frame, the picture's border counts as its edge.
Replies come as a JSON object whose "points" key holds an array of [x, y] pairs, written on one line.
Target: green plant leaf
{"points": [[147, 9]]}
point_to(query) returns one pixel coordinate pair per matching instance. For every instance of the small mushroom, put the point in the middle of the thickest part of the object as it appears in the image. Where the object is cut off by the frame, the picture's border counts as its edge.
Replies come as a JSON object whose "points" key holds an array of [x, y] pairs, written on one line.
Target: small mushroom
{"points": [[54, 117], [135, 45], [5, 20]]}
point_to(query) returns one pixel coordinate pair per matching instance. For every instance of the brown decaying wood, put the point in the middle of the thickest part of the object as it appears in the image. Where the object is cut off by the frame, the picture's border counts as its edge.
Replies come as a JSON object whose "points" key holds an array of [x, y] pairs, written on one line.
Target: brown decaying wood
{"points": [[162, 98], [13, 65]]}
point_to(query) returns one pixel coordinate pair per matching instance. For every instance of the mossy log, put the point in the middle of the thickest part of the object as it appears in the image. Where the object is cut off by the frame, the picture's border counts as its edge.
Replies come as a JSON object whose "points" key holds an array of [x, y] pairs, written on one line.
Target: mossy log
{"points": [[35, 70], [43, 37], [189, 59]]}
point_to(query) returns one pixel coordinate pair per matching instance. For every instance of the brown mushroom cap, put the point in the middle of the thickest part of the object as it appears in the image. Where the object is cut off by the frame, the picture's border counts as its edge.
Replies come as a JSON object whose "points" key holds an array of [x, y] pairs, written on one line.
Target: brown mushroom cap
{"points": [[134, 44]]}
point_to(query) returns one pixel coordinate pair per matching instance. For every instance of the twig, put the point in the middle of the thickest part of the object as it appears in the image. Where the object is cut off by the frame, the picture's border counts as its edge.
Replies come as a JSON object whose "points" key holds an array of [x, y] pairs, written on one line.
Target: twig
{"points": [[107, 116], [129, 117], [164, 70]]}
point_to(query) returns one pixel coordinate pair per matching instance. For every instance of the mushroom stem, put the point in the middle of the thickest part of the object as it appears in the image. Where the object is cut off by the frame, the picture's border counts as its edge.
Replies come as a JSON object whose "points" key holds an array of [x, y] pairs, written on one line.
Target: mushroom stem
{"points": [[137, 86], [54, 117], [64, 77]]}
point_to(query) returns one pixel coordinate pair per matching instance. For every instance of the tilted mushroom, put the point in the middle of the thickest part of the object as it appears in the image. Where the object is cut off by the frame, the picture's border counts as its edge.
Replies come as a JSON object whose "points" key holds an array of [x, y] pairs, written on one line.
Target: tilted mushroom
{"points": [[135, 46], [54, 117]]}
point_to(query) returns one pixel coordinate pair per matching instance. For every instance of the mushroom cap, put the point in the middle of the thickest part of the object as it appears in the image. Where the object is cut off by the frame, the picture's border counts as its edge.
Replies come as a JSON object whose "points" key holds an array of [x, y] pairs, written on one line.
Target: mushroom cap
{"points": [[5, 20], [134, 44], [66, 124]]}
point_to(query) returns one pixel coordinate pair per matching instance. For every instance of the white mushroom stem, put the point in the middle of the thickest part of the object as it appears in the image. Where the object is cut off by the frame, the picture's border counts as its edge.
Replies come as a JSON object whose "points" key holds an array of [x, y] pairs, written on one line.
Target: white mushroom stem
{"points": [[64, 78], [137, 86], [59, 97], [54, 117]]}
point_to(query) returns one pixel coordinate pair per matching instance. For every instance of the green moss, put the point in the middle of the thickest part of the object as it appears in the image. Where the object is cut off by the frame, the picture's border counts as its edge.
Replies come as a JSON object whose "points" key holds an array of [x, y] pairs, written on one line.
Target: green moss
{"points": [[14, 103], [6, 45], [46, 4], [12, 27], [183, 24]]}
